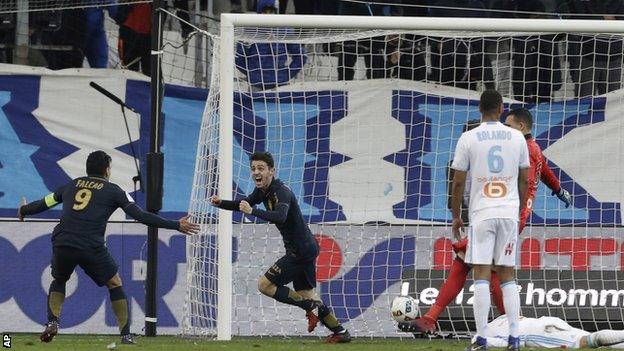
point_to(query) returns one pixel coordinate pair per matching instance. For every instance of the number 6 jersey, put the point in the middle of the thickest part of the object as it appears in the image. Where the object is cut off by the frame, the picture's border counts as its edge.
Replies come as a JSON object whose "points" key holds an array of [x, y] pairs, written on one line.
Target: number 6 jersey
{"points": [[493, 153]]}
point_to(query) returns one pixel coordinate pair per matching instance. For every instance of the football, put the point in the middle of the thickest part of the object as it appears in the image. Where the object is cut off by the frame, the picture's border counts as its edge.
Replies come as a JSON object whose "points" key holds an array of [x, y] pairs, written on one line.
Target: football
{"points": [[404, 309]]}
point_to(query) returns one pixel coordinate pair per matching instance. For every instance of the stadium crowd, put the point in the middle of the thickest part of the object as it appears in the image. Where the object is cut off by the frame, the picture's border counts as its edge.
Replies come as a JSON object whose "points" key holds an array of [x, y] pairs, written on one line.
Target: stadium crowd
{"points": [[540, 62]]}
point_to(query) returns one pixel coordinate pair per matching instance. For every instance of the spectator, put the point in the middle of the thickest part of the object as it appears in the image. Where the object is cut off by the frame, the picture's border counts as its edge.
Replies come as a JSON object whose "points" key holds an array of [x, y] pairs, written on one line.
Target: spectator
{"points": [[412, 48], [406, 58], [536, 71], [375, 50], [135, 27], [595, 61], [460, 62], [311, 7], [302, 7], [134, 45], [265, 64], [7, 36], [96, 49], [415, 8], [64, 35]]}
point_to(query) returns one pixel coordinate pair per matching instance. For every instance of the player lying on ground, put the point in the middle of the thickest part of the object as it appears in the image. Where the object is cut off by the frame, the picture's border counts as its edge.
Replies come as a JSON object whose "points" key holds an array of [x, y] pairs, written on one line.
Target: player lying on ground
{"points": [[522, 120], [298, 265], [551, 332], [78, 239]]}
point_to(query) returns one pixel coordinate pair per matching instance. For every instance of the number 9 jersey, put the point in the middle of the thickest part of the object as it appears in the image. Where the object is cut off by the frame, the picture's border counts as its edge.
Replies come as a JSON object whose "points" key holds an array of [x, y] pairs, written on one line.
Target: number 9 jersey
{"points": [[493, 153], [88, 203]]}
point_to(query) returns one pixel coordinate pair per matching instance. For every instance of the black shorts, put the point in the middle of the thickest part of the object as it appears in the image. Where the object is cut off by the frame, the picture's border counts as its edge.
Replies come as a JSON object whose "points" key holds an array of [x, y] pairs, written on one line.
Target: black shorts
{"points": [[301, 273], [97, 263]]}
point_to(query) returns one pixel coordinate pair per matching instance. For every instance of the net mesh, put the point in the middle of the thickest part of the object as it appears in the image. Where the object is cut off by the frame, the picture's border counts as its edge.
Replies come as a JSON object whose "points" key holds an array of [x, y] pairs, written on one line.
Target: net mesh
{"points": [[363, 125]]}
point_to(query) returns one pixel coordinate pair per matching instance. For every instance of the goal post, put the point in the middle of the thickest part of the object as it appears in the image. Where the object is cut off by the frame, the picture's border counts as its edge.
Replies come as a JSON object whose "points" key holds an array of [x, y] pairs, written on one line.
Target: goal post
{"points": [[226, 128], [379, 239]]}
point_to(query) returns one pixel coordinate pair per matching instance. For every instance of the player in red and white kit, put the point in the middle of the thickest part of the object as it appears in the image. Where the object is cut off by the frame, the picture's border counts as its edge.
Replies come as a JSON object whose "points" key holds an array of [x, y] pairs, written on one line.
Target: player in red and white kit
{"points": [[521, 120]]}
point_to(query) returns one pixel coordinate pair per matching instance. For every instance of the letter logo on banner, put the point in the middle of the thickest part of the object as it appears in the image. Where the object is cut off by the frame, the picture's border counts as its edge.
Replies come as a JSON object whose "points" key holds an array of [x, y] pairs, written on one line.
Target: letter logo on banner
{"points": [[33, 262], [427, 119]]}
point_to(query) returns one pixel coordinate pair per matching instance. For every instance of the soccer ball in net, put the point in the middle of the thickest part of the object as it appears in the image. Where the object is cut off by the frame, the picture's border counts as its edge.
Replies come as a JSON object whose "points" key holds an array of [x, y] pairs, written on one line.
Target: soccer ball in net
{"points": [[404, 309]]}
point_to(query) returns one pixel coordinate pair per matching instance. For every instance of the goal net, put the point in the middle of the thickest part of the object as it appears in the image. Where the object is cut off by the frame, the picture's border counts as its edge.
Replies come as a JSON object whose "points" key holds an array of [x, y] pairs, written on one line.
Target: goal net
{"points": [[362, 115]]}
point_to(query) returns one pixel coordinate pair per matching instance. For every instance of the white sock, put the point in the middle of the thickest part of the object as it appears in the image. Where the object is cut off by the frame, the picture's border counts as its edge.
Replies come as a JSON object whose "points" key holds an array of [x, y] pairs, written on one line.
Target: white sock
{"points": [[605, 338], [511, 300], [481, 305]]}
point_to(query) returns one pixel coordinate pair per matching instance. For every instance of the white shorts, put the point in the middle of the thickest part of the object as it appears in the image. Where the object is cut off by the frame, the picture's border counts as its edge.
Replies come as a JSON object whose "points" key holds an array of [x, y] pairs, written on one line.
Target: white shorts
{"points": [[492, 242]]}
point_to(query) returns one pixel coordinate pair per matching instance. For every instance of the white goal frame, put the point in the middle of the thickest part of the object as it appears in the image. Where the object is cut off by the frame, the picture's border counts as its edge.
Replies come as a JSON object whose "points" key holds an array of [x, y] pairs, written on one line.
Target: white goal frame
{"points": [[226, 103]]}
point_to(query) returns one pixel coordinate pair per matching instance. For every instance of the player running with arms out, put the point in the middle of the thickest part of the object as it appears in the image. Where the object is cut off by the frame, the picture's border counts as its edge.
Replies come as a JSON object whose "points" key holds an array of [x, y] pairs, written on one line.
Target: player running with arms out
{"points": [[78, 239], [551, 332], [498, 160], [298, 264], [521, 120]]}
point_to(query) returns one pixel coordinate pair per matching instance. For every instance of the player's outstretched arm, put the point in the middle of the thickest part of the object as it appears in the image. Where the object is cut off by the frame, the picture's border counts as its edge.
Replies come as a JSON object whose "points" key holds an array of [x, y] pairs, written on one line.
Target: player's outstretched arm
{"points": [[150, 219], [224, 204], [277, 216], [549, 178], [610, 338], [187, 227], [38, 206]]}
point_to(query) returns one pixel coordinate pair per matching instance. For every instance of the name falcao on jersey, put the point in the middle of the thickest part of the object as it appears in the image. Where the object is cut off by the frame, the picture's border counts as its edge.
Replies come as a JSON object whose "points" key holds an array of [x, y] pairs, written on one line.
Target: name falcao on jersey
{"points": [[89, 184]]}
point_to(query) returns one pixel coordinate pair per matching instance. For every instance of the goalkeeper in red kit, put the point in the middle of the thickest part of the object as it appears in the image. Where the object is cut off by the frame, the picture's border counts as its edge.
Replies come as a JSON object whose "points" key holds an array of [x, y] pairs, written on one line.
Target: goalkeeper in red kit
{"points": [[521, 120]]}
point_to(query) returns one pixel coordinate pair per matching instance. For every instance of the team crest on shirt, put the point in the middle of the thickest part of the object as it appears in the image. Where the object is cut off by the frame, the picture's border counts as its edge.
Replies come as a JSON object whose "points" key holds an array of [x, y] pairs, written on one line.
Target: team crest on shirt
{"points": [[272, 201]]}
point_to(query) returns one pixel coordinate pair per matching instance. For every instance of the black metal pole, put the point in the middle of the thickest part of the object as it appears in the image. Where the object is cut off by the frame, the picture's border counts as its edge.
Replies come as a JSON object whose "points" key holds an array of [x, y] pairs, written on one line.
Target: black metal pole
{"points": [[154, 171]]}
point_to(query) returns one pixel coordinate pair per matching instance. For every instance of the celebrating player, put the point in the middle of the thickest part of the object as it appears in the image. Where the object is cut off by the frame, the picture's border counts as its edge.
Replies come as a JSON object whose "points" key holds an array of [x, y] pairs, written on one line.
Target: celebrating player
{"points": [[521, 120], [551, 332], [298, 264], [498, 159], [78, 240]]}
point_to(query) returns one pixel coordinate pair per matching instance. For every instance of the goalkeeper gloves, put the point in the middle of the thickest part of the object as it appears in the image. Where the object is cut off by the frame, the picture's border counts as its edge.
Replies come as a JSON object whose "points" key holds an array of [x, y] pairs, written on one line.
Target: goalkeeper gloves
{"points": [[564, 196]]}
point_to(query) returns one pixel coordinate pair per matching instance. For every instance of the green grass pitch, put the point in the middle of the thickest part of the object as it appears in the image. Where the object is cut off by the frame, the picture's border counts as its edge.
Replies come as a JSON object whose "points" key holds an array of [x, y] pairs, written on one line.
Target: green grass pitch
{"points": [[170, 343], [100, 342]]}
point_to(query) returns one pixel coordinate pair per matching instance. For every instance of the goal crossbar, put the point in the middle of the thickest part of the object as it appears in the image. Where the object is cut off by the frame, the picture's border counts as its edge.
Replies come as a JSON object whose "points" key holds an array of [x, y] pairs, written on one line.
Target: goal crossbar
{"points": [[422, 23]]}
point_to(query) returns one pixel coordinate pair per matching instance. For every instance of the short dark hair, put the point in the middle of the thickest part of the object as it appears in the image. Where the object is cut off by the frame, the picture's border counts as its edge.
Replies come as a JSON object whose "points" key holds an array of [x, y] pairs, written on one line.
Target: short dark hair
{"points": [[471, 124], [97, 163], [522, 115], [490, 101], [262, 156]]}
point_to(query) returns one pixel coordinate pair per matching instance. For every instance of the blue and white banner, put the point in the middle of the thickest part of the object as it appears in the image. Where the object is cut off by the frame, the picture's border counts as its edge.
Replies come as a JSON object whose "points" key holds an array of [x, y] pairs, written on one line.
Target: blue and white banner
{"points": [[50, 122], [365, 152], [378, 151]]}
